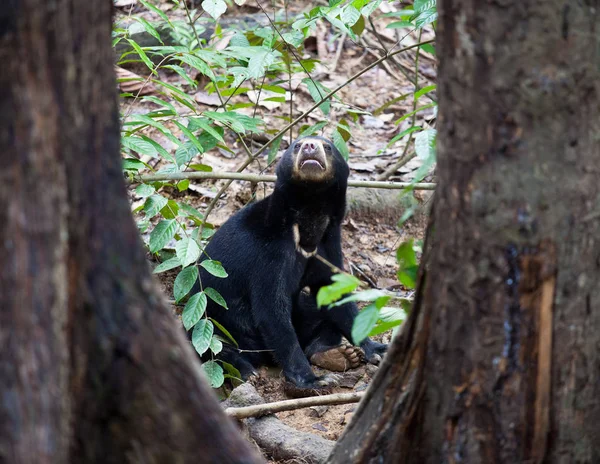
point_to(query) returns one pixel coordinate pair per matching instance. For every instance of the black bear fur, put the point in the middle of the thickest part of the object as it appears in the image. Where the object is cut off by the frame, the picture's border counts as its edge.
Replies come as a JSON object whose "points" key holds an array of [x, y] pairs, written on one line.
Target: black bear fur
{"points": [[267, 249]]}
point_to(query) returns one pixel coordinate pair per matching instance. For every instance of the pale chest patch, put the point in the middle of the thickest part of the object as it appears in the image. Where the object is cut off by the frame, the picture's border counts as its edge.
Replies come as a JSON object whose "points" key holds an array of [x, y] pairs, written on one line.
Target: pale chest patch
{"points": [[307, 238]]}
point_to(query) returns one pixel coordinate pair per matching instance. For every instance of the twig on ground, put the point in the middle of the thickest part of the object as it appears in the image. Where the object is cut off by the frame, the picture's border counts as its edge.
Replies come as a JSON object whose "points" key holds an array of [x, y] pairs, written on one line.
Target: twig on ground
{"points": [[290, 405], [362, 273]]}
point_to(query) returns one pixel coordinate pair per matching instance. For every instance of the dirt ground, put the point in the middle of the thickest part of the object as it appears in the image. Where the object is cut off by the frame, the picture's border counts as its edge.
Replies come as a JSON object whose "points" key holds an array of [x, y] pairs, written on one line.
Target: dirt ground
{"points": [[370, 238]]}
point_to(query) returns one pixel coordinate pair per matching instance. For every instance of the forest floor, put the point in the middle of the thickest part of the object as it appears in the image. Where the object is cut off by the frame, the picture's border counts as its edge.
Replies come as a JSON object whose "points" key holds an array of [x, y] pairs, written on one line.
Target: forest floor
{"points": [[370, 232]]}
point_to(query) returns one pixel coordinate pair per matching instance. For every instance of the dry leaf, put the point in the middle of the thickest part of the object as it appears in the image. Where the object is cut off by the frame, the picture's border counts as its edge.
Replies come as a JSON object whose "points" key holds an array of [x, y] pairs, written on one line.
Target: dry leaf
{"points": [[206, 99], [123, 3], [132, 83]]}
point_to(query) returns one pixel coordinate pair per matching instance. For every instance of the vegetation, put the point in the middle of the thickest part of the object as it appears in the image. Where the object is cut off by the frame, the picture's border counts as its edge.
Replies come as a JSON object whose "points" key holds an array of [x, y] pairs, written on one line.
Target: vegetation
{"points": [[260, 58]]}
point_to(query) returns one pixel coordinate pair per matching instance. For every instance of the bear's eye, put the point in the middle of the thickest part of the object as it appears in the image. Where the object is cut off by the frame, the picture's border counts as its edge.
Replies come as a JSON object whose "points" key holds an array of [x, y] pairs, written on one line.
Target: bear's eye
{"points": [[327, 148], [297, 146]]}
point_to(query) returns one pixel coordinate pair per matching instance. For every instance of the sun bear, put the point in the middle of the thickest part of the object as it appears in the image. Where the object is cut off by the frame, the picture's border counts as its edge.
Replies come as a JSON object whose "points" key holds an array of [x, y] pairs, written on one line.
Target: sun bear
{"points": [[268, 249]]}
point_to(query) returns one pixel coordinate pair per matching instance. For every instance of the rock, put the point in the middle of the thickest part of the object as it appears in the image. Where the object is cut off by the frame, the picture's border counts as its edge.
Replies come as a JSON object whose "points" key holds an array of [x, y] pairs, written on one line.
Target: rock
{"points": [[276, 439]]}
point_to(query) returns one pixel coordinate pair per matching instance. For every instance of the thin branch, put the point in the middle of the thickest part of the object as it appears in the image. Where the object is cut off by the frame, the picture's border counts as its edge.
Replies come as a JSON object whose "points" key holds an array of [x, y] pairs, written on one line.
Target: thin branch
{"points": [[290, 405], [176, 176]]}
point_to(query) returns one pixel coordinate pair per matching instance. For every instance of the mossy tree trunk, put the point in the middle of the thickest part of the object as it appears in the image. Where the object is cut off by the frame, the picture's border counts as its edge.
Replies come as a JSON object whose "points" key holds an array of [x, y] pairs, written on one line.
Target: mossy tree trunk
{"points": [[93, 367], [500, 359]]}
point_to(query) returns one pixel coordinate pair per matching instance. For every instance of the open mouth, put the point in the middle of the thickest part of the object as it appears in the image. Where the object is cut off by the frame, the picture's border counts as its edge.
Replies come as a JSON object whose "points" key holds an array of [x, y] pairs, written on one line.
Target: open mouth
{"points": [[312, 162]]}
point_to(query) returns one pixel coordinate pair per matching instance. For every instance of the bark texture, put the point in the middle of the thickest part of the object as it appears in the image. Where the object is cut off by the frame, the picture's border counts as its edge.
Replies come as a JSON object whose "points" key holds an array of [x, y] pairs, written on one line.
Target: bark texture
{"points": [[93, 367], [500, 359]]}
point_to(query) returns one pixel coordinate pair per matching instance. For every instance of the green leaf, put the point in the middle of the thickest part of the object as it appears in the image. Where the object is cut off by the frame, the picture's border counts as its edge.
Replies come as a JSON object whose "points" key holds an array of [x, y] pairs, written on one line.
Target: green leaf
{"points": [[157, 11], [273, 149], [428, 48], [150, 29], [381, 327], [167, 265], [350, 15], [162, 233], [425, 144], [294, 38], [215, 8], [139, 145], [426, 17], [423, 5], [157, 101], [237, 122], [204, 124], [424, 90], [187, 251], [190, 136], [198, 64], [216, 346], [317, 92], [193, 310], [142, 55], [213, 371], [201, 167], [407, 264], [260, 62], [408, 115], [190, 210], [183, 185], [225, 331], [403, 134], [370, 7], [153, 204], [170, 210], [239, 40], [340, 144], [214, 267], [202, 334], [408, 276], [145, 119], [144, 190], [184, 282], [132, 164], [310, 130], [232, 372], [400, 25], [364, 323], [405, 254], [365, 295], [215, 296], [179, 70], [391, 314], [342, 284]]}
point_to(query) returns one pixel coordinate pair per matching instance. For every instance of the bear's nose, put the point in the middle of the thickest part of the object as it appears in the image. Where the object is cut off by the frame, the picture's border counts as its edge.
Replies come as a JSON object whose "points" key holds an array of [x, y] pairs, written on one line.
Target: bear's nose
{"points": [[309, 148]]}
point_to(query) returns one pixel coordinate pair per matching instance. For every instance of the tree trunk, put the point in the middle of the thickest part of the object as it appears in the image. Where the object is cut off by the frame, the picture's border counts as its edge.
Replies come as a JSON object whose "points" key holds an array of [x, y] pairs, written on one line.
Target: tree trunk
{"points": [[93, 367], [500, 359]]}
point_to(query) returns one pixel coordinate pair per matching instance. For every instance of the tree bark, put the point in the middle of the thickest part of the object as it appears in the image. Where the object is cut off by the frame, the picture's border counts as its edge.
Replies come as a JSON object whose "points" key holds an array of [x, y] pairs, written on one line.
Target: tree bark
{"points": [[93, 367], [499, 361]]}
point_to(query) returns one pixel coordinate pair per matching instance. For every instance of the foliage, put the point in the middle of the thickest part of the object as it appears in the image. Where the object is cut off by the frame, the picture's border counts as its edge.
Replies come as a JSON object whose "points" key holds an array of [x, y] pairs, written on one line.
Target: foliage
{"points": [[257, 59]]}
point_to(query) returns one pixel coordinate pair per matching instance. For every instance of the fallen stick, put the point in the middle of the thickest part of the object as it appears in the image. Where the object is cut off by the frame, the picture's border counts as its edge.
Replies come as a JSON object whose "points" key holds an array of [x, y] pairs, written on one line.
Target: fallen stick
{"points": [[289, 405]]}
